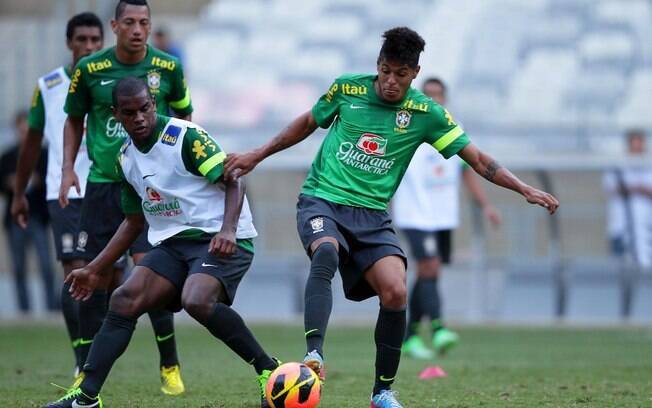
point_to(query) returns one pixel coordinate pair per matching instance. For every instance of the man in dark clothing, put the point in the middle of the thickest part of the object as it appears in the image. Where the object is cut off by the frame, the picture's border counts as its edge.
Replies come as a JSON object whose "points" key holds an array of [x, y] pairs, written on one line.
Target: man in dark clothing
{"points": [[36, 231]]}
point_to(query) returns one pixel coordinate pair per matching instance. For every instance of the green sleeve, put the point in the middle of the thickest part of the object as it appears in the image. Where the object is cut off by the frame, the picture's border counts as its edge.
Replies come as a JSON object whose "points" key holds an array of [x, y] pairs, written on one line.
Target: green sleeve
{"points": [[327, 107], [129, 199], [78, 101], [444, 134], [179, 98], [36, 119], [202, 156]]}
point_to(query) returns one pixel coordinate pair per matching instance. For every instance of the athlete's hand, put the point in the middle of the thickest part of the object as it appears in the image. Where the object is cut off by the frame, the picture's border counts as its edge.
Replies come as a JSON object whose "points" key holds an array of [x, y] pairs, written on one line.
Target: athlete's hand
{"points": [[82, 282], [68, 180], [493, 215], [223, 244], [20, 210], [239, 164], [545, 200]]}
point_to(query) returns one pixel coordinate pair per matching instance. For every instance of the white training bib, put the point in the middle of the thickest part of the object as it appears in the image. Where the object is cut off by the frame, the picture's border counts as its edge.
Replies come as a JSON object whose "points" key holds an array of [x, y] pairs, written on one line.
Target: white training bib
{"points": [[54, 89], [428, 196], [173, 199]]}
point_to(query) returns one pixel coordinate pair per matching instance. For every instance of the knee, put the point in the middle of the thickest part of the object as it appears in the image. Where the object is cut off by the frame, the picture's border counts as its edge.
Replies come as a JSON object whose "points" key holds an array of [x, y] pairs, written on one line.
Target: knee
{"points": [[326, 257], [429, 269], [394, 296], [200, 310], [126, 303]]}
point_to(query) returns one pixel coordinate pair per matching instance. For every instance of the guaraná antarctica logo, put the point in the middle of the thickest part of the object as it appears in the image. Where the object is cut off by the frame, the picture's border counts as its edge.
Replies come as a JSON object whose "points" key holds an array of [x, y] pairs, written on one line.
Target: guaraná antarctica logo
{"points": [[155, 205], [366, 155]]}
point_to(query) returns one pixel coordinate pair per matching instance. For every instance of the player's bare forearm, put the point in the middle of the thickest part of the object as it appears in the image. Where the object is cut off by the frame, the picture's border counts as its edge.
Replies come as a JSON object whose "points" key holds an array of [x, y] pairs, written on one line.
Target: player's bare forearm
{"points": [[233, 200], [237, 165], [299, 129], [30, 151], [124, 237], [487, 167]]}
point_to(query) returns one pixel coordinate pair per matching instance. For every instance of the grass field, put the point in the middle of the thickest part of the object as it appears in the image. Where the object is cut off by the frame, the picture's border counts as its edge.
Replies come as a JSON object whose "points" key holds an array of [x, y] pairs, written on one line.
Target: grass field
{"points": [[493, 367]]}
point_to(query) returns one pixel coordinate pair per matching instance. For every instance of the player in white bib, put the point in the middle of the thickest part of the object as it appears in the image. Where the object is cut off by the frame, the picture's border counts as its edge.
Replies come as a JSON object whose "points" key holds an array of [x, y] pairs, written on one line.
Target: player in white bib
{"points": [[426, 208], [200, 226], [629, 205], [84, 35]]}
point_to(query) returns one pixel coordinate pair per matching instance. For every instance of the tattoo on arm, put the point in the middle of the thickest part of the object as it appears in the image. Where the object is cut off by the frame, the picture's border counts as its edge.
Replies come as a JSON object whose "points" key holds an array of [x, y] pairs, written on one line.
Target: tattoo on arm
{"points": [[490, 172]]}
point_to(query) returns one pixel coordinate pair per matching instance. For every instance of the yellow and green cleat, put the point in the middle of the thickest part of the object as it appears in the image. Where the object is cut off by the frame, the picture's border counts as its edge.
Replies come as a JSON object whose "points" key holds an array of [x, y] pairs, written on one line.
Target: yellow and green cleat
{"points": [[171, 382]]}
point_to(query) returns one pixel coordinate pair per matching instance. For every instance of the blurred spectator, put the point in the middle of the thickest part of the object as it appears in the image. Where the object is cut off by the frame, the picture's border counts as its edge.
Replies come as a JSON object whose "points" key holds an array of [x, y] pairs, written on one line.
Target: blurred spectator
{"points": [[36, 231], [629, 206], [163, 42]]}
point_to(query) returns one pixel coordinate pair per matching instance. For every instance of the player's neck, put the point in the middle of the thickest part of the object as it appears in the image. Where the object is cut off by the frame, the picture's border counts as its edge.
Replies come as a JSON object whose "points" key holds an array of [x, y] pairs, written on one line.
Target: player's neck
{"points": [[130, 58]]}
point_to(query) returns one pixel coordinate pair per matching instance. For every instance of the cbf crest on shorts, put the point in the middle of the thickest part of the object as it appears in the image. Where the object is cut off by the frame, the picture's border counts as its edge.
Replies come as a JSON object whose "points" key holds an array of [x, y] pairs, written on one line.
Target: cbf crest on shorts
{"points": [[317, 224]]}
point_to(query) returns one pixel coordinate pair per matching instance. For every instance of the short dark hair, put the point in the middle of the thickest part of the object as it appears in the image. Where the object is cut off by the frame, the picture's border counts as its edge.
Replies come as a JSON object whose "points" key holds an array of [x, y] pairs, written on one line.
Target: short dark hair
{"points": [[122, 4], [128, 86], [635, 133], [85, 19], [435, 80], [402, 45]]}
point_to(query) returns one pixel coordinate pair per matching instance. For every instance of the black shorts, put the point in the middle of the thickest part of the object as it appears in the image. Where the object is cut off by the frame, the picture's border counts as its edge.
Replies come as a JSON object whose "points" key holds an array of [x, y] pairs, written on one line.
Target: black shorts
{"points": [[101, 215], [364, 235], [176, 258], [429, 244], [65, 227]]}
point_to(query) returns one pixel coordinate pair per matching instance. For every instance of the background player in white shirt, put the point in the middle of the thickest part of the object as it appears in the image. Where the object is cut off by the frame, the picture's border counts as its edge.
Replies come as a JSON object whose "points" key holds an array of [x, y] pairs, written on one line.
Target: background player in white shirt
{"points": [[629, 206], [426, 208], [84, 35]]}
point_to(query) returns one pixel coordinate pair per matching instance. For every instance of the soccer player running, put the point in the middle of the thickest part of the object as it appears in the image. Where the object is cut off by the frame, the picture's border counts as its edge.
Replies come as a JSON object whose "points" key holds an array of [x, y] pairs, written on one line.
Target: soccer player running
{"points": [[90, 96], [376, 124], [84, 35], [426, 208], [200, 224]]}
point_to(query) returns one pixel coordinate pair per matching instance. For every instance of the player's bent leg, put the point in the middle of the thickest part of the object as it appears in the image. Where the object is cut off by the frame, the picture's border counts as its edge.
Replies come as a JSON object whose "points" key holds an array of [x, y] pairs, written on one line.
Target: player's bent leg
{"points": [[387, 278], [203, 298], [143, 291], [70, 311], [318, 300], [423, 302]]}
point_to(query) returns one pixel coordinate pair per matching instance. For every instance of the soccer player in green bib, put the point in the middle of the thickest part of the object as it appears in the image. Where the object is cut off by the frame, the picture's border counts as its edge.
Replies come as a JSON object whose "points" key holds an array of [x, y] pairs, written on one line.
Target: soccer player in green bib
{"points": [[376, 122], [89, 97], [202, 230]]}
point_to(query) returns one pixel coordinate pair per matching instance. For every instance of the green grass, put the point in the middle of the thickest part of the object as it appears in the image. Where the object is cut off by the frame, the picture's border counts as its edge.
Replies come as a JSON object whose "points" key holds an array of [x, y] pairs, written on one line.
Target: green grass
{"points": [[493, 367]]}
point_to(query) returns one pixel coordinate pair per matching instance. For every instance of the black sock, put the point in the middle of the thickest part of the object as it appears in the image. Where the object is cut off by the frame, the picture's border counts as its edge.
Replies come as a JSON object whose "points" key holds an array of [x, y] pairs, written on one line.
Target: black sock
{"points": [[415, 311], [430, 301], [163, 325], [91, 315], [389, 335], [109, 344], [318, 296], [70, 310], [227, 325]]}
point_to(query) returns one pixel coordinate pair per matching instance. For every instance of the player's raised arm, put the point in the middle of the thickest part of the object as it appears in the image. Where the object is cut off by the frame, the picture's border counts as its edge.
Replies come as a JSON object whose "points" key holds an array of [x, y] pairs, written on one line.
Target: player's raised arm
{"points": [[299, 129], [487, 167]]}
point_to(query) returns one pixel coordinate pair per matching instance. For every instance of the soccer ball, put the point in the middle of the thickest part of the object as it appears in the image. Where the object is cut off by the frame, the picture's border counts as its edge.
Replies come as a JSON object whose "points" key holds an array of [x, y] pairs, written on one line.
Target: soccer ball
{"points": [[293, 385]]}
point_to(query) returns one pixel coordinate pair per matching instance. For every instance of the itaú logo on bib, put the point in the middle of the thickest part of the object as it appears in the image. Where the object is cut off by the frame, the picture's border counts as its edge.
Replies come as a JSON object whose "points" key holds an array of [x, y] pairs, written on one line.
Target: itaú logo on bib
{"points": [[372, 144]]}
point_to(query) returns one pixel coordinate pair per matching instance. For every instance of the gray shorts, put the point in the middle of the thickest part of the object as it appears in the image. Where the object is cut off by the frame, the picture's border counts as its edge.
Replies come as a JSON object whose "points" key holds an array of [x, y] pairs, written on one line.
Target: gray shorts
{"points": [[364, 235], [177, 258]]}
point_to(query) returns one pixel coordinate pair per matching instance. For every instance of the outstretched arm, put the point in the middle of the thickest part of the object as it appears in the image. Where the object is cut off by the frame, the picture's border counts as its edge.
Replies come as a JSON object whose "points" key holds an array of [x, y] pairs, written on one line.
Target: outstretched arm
{"points": [[30, 151], [73, 132], [300, 128], [488, 168], [84, 281]]}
